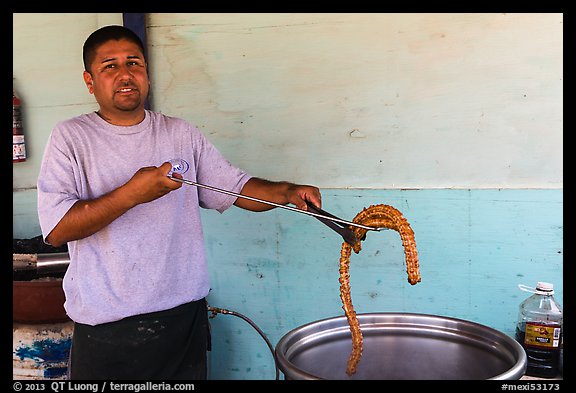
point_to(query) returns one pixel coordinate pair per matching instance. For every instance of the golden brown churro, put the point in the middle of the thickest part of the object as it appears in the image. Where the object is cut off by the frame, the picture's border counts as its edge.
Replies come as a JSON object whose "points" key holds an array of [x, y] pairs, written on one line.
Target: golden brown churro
{"points": [[380, 216]]}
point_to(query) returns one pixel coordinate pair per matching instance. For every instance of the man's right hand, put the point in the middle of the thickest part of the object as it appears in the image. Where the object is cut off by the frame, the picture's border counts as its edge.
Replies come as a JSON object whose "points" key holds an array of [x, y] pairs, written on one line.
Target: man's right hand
{"points": [[150, 183]]}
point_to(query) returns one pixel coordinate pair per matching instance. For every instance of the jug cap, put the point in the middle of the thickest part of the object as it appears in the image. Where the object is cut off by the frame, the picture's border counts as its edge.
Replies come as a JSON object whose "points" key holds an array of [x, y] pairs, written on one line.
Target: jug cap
{"points": [[542, 288]]}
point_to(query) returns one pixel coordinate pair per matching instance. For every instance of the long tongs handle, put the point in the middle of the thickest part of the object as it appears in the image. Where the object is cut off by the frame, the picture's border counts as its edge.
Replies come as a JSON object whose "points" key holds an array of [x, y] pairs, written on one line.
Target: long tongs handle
{"points": [[310, 213]]}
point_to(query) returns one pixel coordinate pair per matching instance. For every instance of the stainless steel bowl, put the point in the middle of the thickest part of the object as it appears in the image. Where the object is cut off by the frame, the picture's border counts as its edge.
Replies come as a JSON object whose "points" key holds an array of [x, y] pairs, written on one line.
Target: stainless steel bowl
{"points": [[401, 346]]}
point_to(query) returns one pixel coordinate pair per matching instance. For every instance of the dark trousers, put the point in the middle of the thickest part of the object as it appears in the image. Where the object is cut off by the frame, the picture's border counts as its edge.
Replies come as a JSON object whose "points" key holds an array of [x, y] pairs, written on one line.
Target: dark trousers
{"points": [[164, 345]]}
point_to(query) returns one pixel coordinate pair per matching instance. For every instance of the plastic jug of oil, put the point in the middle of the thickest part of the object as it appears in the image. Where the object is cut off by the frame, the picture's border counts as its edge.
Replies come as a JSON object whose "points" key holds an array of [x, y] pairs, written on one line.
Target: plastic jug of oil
{"points": [[539, 330]]}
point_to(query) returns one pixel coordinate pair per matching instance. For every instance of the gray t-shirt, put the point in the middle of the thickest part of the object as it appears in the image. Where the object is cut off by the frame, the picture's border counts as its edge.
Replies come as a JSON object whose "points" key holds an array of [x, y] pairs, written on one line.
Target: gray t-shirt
{"points": [[152, 257]]}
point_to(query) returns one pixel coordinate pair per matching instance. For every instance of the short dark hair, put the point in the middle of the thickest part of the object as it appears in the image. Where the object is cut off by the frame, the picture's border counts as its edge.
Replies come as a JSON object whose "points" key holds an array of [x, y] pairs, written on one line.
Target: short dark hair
{"points": [[105, 34]]}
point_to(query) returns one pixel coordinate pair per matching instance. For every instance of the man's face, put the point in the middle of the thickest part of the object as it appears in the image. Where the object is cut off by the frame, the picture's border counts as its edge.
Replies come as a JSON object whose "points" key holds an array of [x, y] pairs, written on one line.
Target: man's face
{"points": [[118, 79]]}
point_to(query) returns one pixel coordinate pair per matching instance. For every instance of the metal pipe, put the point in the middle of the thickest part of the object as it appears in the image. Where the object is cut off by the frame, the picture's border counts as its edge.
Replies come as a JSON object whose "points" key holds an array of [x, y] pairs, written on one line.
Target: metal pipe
{"points": [[42, 263]]}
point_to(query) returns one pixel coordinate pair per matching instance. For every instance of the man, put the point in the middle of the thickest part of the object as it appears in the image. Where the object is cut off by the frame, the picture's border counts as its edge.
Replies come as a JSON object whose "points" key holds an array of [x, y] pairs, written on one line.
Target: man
{"points": [[137, 279]]}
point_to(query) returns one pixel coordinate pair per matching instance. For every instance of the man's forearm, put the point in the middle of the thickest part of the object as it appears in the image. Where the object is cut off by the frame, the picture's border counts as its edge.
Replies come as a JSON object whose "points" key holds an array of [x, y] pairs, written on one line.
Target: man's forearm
{"points": [[265, 190], [87, 217], [281, 193]]}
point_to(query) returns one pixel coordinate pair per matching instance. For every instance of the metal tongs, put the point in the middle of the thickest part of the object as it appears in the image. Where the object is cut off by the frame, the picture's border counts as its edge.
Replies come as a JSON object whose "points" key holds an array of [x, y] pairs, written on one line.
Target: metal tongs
{"points": [[344, 231], [330, 220]]}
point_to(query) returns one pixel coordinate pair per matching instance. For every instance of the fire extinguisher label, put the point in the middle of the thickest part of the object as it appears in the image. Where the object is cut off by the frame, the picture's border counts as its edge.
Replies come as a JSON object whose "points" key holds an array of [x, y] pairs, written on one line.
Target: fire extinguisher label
{"points": [[18, 148], [16, 117]]}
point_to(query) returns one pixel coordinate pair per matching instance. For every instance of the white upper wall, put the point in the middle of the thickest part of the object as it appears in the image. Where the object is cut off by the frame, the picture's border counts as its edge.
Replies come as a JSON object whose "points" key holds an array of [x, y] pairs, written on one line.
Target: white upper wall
{"points": [[336, 100]]}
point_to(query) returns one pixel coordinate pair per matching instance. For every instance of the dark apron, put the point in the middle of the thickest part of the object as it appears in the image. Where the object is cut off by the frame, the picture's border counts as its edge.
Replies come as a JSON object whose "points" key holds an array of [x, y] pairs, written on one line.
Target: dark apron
{"points": [[164, 345]]}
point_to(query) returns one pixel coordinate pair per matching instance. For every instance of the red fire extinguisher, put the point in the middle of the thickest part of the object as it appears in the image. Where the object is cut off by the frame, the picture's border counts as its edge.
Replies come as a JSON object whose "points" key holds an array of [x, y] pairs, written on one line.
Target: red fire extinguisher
{"points": [[18, 145]]}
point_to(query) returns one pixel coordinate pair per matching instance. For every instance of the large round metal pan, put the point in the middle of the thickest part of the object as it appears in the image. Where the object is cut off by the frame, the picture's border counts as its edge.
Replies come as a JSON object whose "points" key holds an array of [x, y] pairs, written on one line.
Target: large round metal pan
{"points": [[401, 346]]}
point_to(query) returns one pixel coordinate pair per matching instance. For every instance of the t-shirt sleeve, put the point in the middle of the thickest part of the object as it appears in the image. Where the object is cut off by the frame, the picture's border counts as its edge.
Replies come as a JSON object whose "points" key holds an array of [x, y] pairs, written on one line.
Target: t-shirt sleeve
{"points": [[57, 189], [213, 169]]}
